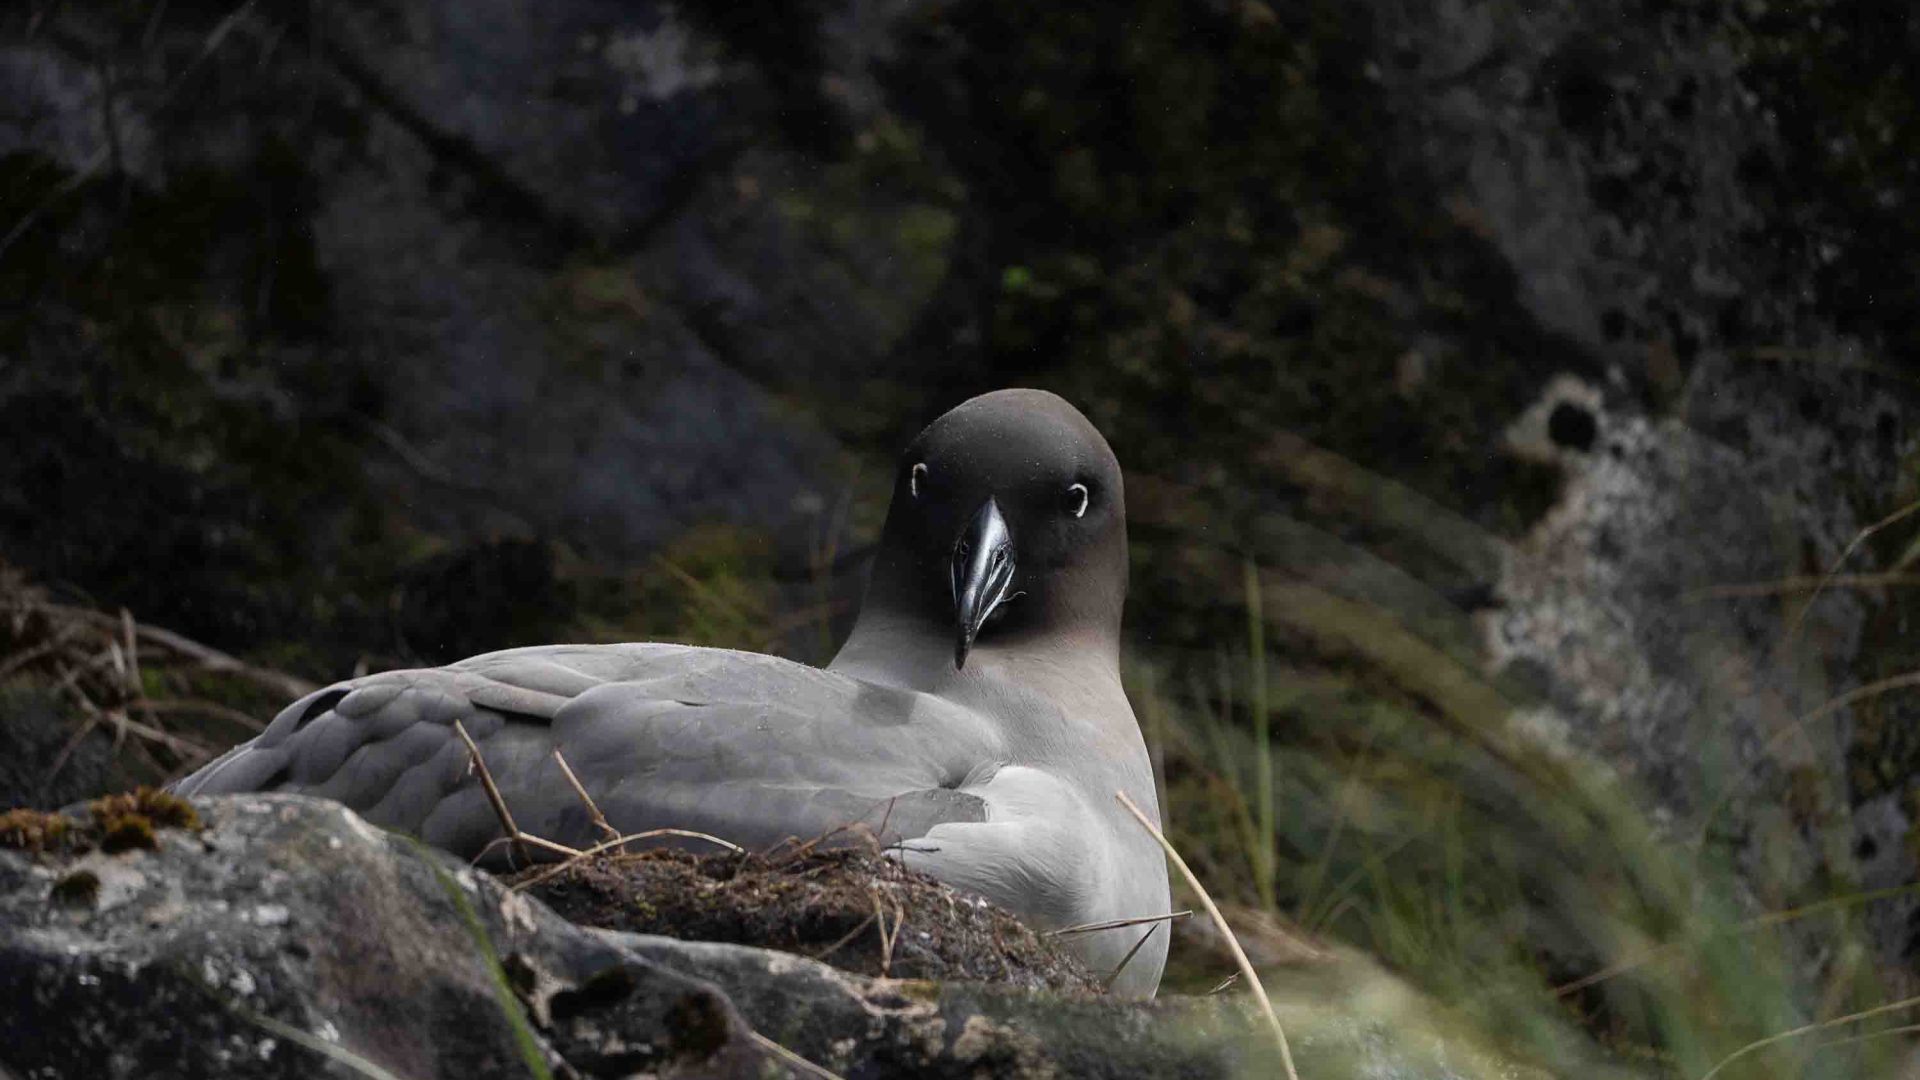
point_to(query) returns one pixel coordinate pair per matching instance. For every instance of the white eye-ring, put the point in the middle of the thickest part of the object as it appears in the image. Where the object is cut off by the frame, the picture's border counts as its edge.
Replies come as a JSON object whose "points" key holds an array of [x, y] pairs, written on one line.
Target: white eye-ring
{"points": [[913, 479], [1077, 499]]}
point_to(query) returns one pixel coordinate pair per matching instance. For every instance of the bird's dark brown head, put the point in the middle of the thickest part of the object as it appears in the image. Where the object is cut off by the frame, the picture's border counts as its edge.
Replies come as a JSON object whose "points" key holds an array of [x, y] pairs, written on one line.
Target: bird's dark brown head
{"points": [[1008, 521]]}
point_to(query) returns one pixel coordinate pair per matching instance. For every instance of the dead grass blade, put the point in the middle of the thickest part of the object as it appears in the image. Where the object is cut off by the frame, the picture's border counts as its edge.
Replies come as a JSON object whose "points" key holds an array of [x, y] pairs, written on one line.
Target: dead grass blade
{"points": [[791, 1058], [1861, 537], [1798, 728], [1127, 959], [130, 642], [1904, 1029], [1671, 949], [1226, 932], [850, 935], [1807, 1029], [73, 743], [27, 656], [340, 1055], [1115, 924], [202, 706], [1782, 586], [207, 657], [212, 659]]}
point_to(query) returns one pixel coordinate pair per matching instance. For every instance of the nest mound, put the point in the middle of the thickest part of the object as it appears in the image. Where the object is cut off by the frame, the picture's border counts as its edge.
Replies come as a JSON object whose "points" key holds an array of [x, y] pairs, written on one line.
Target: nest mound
{"points": [[854, 909]]}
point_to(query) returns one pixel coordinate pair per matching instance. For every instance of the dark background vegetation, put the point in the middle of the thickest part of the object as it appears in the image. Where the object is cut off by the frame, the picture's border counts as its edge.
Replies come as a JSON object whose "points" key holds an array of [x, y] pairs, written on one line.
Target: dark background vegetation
{"points": [[1498, 383]]}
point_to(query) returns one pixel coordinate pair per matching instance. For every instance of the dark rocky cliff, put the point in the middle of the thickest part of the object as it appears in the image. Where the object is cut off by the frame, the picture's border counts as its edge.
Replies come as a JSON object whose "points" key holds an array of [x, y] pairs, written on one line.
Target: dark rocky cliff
{"points": [[1541, 357]]}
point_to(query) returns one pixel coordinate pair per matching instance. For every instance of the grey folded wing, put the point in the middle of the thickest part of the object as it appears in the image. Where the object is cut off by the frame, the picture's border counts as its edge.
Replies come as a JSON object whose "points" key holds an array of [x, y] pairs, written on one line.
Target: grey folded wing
{"points": [[746, 747]]}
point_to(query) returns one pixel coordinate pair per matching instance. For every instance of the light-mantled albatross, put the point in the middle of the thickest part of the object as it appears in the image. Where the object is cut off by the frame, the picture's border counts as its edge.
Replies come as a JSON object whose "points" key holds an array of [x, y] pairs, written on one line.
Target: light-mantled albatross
{"points": [[975, 713]]}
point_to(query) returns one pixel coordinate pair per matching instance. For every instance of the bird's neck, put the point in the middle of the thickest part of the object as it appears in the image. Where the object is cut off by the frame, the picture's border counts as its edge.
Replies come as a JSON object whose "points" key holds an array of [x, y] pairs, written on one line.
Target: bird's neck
{"points": [[917, 654], [1078, 675]]}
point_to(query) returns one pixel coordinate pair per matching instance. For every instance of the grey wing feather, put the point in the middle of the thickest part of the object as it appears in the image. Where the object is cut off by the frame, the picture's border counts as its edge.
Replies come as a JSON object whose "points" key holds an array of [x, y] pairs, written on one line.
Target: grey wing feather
{"points": [[747, 747]]}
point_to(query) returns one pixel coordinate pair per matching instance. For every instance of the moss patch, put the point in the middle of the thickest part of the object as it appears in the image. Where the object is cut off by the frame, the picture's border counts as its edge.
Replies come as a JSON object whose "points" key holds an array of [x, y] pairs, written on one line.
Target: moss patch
{"points": [[127, 832], [124, 822], [163, 808], [78, 888], [37, 832]]}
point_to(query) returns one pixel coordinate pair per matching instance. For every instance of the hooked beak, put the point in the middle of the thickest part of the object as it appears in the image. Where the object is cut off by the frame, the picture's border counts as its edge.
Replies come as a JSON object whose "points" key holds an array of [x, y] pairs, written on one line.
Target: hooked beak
{"points": [[982, 575]]}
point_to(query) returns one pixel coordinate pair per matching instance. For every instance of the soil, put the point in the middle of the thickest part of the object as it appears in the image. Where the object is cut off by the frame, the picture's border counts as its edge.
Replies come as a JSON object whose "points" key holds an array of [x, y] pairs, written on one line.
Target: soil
{"points": [[854, 909]]}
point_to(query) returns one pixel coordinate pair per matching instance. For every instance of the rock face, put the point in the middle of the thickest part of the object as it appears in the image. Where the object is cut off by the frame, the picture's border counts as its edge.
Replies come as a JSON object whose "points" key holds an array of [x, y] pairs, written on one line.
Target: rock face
{"points": [[1733, 405], [528, 204], [1510, 339], [281, 936], [288, 931]]}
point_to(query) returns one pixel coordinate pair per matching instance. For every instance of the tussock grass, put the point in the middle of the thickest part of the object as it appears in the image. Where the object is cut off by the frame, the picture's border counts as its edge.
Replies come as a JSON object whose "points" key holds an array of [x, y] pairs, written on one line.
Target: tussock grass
{"points": [[1530, 893], [1553, 919]]}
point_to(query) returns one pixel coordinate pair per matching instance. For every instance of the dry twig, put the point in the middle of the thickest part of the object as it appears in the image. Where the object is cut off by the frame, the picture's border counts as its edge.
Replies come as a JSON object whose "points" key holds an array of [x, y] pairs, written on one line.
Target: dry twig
{"points": [[104, 662], [200, 705], [850, 935], [605, 846], [593, 809], [887, 939], [572, 856], [73, 743], [514, 836]]}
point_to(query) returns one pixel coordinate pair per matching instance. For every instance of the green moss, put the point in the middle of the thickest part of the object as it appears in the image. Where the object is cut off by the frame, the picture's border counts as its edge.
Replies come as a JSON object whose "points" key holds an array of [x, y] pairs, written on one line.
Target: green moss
{"points": [[36, 831], [161, 809], [127, 832], [116, 823], [700, 1024], [78, 889], [925, 991]]}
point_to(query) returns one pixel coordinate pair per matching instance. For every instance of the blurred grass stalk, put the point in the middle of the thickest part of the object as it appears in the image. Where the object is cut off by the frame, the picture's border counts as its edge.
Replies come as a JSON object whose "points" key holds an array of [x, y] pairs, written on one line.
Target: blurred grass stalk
{"points": [[1258, 705], [1523, 890]]}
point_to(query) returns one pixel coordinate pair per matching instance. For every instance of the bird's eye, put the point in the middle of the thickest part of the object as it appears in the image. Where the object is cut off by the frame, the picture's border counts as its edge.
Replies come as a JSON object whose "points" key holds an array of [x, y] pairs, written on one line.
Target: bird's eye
{"points": [[1075, 500], [914, 477]]}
